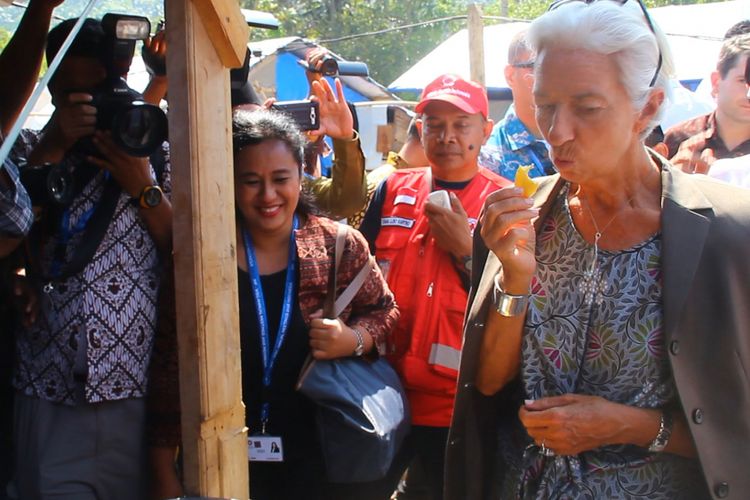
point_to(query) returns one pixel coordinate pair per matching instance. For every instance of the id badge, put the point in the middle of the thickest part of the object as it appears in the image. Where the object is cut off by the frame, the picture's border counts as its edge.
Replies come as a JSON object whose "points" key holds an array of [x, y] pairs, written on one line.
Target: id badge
{"points": [[265, 449]]}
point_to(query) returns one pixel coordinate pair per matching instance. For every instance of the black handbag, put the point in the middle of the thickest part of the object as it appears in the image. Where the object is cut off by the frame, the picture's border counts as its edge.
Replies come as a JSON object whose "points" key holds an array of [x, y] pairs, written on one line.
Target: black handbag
{"points": [[362, 410]]}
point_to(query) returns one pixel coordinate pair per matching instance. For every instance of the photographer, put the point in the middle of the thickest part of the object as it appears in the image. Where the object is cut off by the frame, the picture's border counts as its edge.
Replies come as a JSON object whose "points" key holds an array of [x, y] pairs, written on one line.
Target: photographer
{"points": [[81, 370]]}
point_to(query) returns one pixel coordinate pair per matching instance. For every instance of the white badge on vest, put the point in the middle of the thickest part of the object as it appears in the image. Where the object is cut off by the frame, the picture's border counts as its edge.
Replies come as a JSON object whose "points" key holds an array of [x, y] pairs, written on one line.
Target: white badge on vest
{"points": [[397, 222], [405, 199], [265, 449]]}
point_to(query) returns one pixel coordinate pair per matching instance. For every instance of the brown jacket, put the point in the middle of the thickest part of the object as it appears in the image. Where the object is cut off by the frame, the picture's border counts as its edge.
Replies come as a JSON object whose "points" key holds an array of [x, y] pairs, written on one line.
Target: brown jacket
{"points": [[706, 304]]}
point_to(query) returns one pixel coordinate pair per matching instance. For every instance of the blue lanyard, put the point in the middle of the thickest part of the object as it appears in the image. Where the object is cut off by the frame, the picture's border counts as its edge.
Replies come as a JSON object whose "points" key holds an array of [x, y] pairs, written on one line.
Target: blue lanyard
{"points": [[269, 357], [67, 233]]}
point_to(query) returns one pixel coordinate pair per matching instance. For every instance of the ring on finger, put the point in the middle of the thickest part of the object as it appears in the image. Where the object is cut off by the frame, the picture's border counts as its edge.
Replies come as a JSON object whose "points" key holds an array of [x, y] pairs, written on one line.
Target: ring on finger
{"points": [[546, 451]]}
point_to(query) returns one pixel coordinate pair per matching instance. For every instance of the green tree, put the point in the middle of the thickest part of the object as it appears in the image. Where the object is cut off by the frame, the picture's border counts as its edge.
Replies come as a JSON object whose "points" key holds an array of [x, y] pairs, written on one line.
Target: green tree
{"points": [[4, 38], [388, 54]]}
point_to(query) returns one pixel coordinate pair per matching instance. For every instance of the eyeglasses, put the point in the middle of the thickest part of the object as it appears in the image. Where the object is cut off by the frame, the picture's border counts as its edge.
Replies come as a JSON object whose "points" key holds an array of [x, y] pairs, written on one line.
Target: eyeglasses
{"points": [[649, 22], [525, 64]]}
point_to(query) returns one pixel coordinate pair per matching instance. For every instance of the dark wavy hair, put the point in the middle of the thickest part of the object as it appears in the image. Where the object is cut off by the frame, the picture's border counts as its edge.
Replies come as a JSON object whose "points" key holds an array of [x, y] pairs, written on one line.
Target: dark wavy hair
{"points": [[250, 128]]}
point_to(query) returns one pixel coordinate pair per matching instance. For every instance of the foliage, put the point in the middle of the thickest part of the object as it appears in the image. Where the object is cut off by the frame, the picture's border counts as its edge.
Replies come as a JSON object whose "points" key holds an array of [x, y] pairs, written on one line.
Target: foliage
{"points": [[388, 54], [4, 37]]}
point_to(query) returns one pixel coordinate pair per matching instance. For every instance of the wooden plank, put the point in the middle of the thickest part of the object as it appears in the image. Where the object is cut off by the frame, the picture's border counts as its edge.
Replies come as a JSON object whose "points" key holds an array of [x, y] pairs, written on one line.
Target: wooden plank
{"points": [[213, 430], [226, 28], [476, 43]]}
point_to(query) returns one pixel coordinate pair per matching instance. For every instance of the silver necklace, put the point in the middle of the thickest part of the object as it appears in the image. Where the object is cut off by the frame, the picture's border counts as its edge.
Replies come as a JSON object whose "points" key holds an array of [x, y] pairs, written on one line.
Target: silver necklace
{"points": [[592, 280]]}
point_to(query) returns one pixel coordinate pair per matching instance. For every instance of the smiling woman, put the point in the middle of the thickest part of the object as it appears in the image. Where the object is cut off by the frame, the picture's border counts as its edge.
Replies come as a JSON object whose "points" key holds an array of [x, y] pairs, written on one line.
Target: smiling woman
{"points": [[284, 266]]}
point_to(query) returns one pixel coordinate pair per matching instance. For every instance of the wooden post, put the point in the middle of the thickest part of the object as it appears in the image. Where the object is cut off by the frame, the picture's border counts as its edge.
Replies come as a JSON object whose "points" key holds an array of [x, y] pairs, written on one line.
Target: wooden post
{"points": [[476, 43], [213, 416]]}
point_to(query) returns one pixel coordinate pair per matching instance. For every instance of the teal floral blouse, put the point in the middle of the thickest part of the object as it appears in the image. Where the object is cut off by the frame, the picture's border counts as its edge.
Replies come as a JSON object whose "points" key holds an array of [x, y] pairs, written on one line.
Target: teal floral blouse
{"points": [[599, 335]]}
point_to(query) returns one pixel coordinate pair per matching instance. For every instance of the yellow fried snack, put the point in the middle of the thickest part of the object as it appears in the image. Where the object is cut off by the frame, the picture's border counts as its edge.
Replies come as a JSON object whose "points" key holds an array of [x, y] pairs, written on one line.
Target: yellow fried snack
{"points": [[524, 181]]}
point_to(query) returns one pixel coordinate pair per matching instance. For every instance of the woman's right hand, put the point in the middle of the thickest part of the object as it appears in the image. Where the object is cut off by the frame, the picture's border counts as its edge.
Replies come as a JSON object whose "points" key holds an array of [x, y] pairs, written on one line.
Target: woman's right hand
{"points": [[507, 230]]}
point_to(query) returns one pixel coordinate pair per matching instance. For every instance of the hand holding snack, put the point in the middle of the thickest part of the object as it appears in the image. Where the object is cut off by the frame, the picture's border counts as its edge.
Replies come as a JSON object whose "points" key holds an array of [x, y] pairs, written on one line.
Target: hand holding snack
{"points": [[525, 182], [507, 231]]}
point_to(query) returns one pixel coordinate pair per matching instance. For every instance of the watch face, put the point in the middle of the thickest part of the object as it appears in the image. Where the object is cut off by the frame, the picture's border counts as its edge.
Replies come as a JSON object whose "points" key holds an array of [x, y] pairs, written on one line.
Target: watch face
{"points": [[152, 196]]}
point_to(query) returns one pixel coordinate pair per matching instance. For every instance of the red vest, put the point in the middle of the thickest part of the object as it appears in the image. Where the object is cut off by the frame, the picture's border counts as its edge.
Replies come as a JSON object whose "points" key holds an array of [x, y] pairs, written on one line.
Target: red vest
{"points": [[425, 346]]}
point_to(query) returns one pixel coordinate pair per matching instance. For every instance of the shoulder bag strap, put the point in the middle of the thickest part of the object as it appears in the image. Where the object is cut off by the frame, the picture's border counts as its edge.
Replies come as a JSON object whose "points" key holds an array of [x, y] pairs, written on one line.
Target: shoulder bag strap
{"points": [[333, 306]]}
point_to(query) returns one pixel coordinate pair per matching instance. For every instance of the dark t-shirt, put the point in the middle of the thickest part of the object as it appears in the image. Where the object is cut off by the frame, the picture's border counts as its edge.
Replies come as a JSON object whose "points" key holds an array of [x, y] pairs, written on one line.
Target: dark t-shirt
{"points": [[292, 415]]}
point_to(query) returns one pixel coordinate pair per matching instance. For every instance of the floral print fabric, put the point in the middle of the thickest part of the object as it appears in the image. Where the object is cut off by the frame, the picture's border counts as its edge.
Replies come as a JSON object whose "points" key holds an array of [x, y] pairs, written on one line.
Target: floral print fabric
{"points": [[600, 336]]}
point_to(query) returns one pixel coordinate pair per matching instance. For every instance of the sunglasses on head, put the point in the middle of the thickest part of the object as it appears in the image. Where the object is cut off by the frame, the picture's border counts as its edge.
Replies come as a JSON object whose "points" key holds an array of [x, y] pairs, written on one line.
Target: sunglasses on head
{"points": [[554, 5], [525, 64]]}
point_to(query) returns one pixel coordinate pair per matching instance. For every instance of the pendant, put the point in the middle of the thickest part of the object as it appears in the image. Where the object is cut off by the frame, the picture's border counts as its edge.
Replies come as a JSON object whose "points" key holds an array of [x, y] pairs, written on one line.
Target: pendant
{"points": [[48, 288], [590, 284]]}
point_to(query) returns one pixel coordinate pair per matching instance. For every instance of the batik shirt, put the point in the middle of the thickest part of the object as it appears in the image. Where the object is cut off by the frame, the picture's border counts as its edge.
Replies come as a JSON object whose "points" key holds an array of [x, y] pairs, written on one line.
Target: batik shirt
{"points": [[597, 333], [15, 206], [512, 145], [112, 301]]}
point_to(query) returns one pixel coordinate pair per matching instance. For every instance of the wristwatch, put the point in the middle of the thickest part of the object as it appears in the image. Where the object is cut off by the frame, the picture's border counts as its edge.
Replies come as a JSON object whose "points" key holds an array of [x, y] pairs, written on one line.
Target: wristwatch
{"points": [[359, 350], [150, 197], [507, 304], [466, 261], [665, 432]]}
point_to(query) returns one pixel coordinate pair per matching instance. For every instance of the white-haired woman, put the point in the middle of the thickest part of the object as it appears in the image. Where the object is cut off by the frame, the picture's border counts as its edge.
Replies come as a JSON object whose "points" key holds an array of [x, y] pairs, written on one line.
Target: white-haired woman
{"points": [[608, 334]]}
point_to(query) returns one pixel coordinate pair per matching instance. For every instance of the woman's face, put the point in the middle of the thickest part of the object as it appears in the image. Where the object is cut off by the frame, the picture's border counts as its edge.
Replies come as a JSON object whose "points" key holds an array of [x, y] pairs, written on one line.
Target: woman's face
{"points": [[584, 112], [267, 186]]}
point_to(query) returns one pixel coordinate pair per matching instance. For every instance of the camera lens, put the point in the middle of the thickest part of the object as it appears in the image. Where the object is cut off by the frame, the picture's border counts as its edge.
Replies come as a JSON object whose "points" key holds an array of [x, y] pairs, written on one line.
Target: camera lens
{"points": [[329, 66], [139, 128], [60, 185]]}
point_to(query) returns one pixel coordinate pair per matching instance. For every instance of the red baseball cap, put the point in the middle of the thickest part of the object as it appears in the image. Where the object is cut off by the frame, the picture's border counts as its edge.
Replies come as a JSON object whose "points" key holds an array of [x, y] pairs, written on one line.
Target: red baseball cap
{"points": [[466, 95]]}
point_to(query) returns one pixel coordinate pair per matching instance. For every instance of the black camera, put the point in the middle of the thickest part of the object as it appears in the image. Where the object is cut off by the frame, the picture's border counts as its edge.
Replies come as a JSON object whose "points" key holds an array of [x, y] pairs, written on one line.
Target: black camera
{"points": [[54, 183], [306, 114], [137, 127], [330, 66]]}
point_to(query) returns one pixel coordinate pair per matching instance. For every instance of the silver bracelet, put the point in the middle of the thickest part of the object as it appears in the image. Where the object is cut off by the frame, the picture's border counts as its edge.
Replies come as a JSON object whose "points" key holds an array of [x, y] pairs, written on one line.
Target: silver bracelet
{"points": [[359, 350], [665, 432], [507, 304]]}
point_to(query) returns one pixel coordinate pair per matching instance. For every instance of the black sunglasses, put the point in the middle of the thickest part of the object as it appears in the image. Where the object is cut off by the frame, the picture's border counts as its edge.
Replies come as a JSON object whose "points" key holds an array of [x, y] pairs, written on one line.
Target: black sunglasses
{"points": [[526, 64], [558, 3]]}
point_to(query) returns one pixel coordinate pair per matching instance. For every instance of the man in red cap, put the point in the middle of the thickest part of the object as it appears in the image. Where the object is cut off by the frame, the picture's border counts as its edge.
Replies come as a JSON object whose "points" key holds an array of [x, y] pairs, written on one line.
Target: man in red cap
{"points": [[424, 250]]}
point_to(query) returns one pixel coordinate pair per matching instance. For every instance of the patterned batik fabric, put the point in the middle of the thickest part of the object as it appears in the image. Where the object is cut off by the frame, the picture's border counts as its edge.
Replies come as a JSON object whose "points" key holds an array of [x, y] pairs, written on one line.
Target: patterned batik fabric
{"points": [[113, 300], [610, 345], [511, 145]]}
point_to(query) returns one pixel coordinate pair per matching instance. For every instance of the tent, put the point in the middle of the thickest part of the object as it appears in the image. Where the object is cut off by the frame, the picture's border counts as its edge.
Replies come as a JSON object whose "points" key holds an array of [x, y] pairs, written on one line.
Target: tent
{"points": [[695, 45]]}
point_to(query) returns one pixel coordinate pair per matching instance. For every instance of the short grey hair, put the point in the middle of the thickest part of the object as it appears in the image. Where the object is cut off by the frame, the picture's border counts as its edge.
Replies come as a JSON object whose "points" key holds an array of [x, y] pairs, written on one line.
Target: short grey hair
{"points": [[518, 47], [611, 28]]}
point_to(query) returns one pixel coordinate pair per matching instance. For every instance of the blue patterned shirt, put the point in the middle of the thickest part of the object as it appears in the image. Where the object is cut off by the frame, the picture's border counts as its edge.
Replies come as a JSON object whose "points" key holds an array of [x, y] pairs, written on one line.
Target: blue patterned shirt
{"points": [[512, 145], [15, 206]]}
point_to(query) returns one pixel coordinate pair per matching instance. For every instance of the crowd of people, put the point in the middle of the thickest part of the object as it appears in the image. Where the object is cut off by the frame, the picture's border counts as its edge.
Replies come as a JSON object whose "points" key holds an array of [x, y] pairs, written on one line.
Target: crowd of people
{"points": [[588, 340]]}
